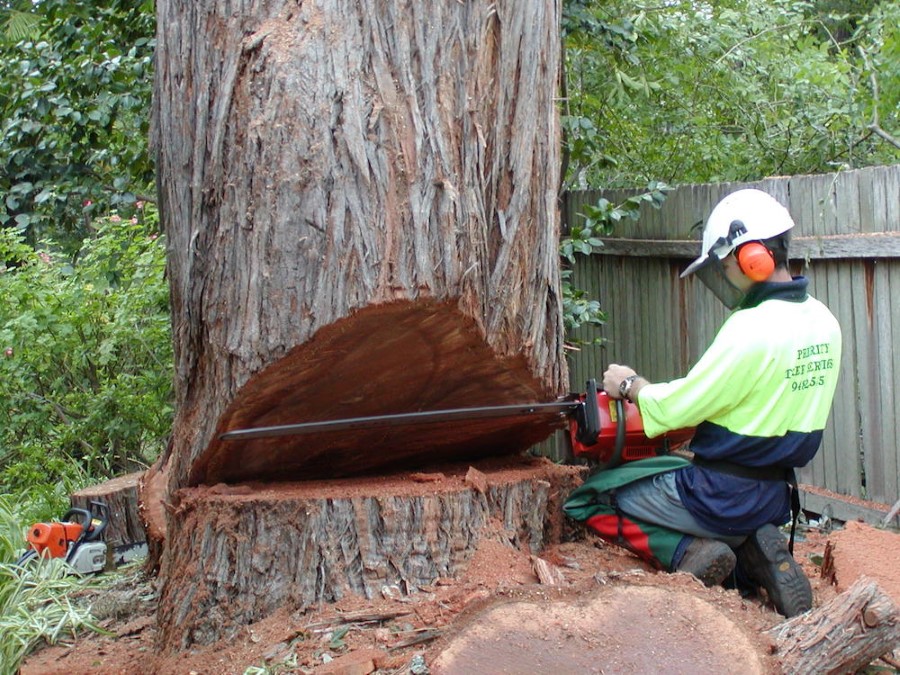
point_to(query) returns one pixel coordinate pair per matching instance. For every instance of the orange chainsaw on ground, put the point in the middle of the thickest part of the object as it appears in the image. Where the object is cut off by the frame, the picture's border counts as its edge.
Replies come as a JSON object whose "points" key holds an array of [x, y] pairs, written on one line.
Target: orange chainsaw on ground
{"points": [[77, 538]]}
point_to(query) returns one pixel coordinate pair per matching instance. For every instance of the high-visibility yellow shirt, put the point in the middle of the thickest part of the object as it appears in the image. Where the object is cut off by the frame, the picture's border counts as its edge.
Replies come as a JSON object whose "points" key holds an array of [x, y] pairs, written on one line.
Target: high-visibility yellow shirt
{"points": [[759, 396]]}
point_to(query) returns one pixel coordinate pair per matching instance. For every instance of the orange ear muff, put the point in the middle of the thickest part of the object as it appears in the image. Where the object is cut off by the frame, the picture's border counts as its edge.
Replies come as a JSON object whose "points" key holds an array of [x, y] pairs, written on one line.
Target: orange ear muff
{"points": [[756, 261]]}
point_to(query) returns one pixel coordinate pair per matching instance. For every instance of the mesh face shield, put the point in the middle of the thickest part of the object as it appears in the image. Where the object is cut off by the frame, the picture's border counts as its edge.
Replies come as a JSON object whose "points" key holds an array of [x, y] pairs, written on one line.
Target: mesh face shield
{"points": [[712, 274]]}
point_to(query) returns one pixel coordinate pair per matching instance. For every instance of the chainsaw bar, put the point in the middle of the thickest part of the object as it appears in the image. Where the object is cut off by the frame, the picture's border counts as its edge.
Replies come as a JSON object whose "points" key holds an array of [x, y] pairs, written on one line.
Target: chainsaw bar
{"points": [[380, 421]]}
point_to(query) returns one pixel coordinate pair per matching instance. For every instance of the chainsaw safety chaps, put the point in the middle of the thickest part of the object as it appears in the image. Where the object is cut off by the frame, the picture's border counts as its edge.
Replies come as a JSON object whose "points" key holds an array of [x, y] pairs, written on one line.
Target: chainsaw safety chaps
{"points": [[594, 504]]}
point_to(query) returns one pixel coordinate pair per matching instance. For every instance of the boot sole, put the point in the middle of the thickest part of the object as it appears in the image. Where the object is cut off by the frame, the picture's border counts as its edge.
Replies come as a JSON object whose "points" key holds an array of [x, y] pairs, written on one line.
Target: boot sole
{"points": [[768, 562]]}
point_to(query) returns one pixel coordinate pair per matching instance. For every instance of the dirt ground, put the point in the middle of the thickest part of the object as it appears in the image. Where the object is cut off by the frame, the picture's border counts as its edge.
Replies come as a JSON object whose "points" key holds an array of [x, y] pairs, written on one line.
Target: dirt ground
{"points": [[599, 610]]}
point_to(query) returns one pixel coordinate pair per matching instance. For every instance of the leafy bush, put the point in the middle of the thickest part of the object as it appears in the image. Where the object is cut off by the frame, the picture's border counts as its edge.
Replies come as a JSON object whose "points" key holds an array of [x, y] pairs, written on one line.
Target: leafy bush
{"points": [[75, 81], [584, 238], [728, 91], [85, 358]]}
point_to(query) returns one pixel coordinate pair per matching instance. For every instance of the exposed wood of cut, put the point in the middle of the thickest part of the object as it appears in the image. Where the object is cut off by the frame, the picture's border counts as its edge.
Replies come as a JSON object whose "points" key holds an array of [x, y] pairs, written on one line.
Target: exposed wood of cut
{"points": [[391, 358], [120, 494], [245, 550], [841, 636], [360, 201], [153, 494]]}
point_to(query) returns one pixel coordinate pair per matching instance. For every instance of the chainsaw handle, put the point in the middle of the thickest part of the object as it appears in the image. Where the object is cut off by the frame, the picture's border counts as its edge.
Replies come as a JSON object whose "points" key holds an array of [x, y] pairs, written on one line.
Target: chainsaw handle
{"points": [[99, 511], [89, 531], [83, 517], [619, 447], [616, 459], [588, 415]]}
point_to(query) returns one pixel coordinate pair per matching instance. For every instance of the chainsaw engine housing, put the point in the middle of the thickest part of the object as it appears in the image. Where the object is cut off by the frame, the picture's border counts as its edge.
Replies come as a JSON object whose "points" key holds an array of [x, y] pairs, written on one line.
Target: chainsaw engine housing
{"points": [[636, 444]]}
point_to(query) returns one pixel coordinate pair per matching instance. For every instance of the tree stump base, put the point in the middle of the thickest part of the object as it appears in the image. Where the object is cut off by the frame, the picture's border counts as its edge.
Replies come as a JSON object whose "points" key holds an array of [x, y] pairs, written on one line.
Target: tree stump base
{"points": [[239, 552], [125, 527]]}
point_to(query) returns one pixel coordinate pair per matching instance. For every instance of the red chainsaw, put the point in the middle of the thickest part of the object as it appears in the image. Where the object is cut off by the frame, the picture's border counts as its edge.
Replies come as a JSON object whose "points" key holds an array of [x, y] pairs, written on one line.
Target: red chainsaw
{"points": [[612, 431], [602, 430]]}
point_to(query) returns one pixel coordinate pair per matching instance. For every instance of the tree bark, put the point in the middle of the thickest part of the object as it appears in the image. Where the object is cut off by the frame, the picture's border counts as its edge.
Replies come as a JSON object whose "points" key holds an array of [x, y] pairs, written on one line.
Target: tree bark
{"points": [[125, 526], [360, 204], [841, 636], [244, 551]]}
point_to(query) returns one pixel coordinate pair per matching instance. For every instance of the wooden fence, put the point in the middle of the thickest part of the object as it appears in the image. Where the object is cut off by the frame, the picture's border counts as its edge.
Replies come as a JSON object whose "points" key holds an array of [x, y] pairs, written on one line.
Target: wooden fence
{"points": [[846, 240]]}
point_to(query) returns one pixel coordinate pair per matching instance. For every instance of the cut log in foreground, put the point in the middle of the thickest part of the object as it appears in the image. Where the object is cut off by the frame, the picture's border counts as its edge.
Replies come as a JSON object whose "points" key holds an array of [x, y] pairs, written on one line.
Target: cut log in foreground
{"points": [[845, 634], [125, 526], [617, 629], [245, 550]]}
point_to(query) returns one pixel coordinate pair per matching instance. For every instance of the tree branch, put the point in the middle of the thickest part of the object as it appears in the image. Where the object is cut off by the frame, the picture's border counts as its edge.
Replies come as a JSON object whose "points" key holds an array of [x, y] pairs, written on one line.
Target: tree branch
{"points": [[878, 131], [875, 126]]}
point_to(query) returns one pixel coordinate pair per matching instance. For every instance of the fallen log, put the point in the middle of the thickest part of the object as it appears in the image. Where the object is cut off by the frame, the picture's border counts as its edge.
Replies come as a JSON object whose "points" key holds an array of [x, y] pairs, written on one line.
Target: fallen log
{"points": [[242, 551], [850, 631]]}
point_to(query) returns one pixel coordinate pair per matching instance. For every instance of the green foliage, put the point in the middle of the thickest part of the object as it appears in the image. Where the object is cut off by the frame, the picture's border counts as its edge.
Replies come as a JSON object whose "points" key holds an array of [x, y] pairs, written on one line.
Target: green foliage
{"points": [[85, 357], [20, 25], [75, 82], [584, 238], [12, 539], [600, 219], [728, 91]]}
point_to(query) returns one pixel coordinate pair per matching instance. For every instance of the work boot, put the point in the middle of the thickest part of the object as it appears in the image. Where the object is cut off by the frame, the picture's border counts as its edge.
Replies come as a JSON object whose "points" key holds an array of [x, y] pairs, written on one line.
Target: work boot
{"points": [[764, 560], [709, 560]]}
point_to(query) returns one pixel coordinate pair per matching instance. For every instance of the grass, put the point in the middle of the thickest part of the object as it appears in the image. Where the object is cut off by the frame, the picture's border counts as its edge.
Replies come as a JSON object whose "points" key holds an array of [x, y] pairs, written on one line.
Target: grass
{"points": [[35, 599]]}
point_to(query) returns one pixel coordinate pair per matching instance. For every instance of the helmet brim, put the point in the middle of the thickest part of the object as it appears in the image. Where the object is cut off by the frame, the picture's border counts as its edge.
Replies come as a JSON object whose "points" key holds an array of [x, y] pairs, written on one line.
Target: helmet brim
{"points": [[702, 261]]}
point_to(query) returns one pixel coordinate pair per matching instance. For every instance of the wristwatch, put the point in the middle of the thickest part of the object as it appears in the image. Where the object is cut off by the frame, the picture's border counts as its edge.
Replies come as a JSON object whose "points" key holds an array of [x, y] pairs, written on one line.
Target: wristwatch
{"points": [[625, 386]]}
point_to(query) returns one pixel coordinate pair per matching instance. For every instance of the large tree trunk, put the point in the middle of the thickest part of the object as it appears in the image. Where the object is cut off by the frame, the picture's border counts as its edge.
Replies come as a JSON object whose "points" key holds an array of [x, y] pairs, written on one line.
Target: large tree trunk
{"points": [[360, 203], [360, 200]]}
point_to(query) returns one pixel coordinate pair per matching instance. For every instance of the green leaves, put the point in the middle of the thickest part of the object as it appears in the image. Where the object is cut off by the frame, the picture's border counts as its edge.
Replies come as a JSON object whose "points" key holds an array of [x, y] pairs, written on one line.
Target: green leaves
{"points": [[85, 355], [731, 91], [584, 238], [74, 102], [578, 309]]}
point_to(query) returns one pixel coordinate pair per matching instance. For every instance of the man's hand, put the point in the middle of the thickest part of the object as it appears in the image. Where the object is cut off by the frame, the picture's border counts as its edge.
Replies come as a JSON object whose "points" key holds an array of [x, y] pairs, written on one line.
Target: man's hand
{"points": [[613, 377]]}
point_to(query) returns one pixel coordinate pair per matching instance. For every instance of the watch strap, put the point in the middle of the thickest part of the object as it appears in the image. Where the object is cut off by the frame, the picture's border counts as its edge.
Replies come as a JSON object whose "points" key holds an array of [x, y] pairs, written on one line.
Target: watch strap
{"points": [[626, 385]]}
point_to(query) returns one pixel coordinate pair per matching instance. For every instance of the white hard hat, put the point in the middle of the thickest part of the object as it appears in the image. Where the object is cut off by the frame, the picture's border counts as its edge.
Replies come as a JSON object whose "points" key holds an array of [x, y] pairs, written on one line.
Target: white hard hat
{"points": [[742, 216]]}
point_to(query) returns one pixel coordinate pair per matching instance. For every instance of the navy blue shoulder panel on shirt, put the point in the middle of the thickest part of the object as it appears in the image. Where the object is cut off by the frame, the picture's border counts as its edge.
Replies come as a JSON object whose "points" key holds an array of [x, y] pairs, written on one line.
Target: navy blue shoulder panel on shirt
{"points": [[790, 291], [794, 449]]}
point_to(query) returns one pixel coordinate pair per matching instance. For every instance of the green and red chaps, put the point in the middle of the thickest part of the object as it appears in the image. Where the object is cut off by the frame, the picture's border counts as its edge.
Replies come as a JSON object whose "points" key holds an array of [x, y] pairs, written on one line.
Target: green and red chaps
{"points": [[594, 504]]}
